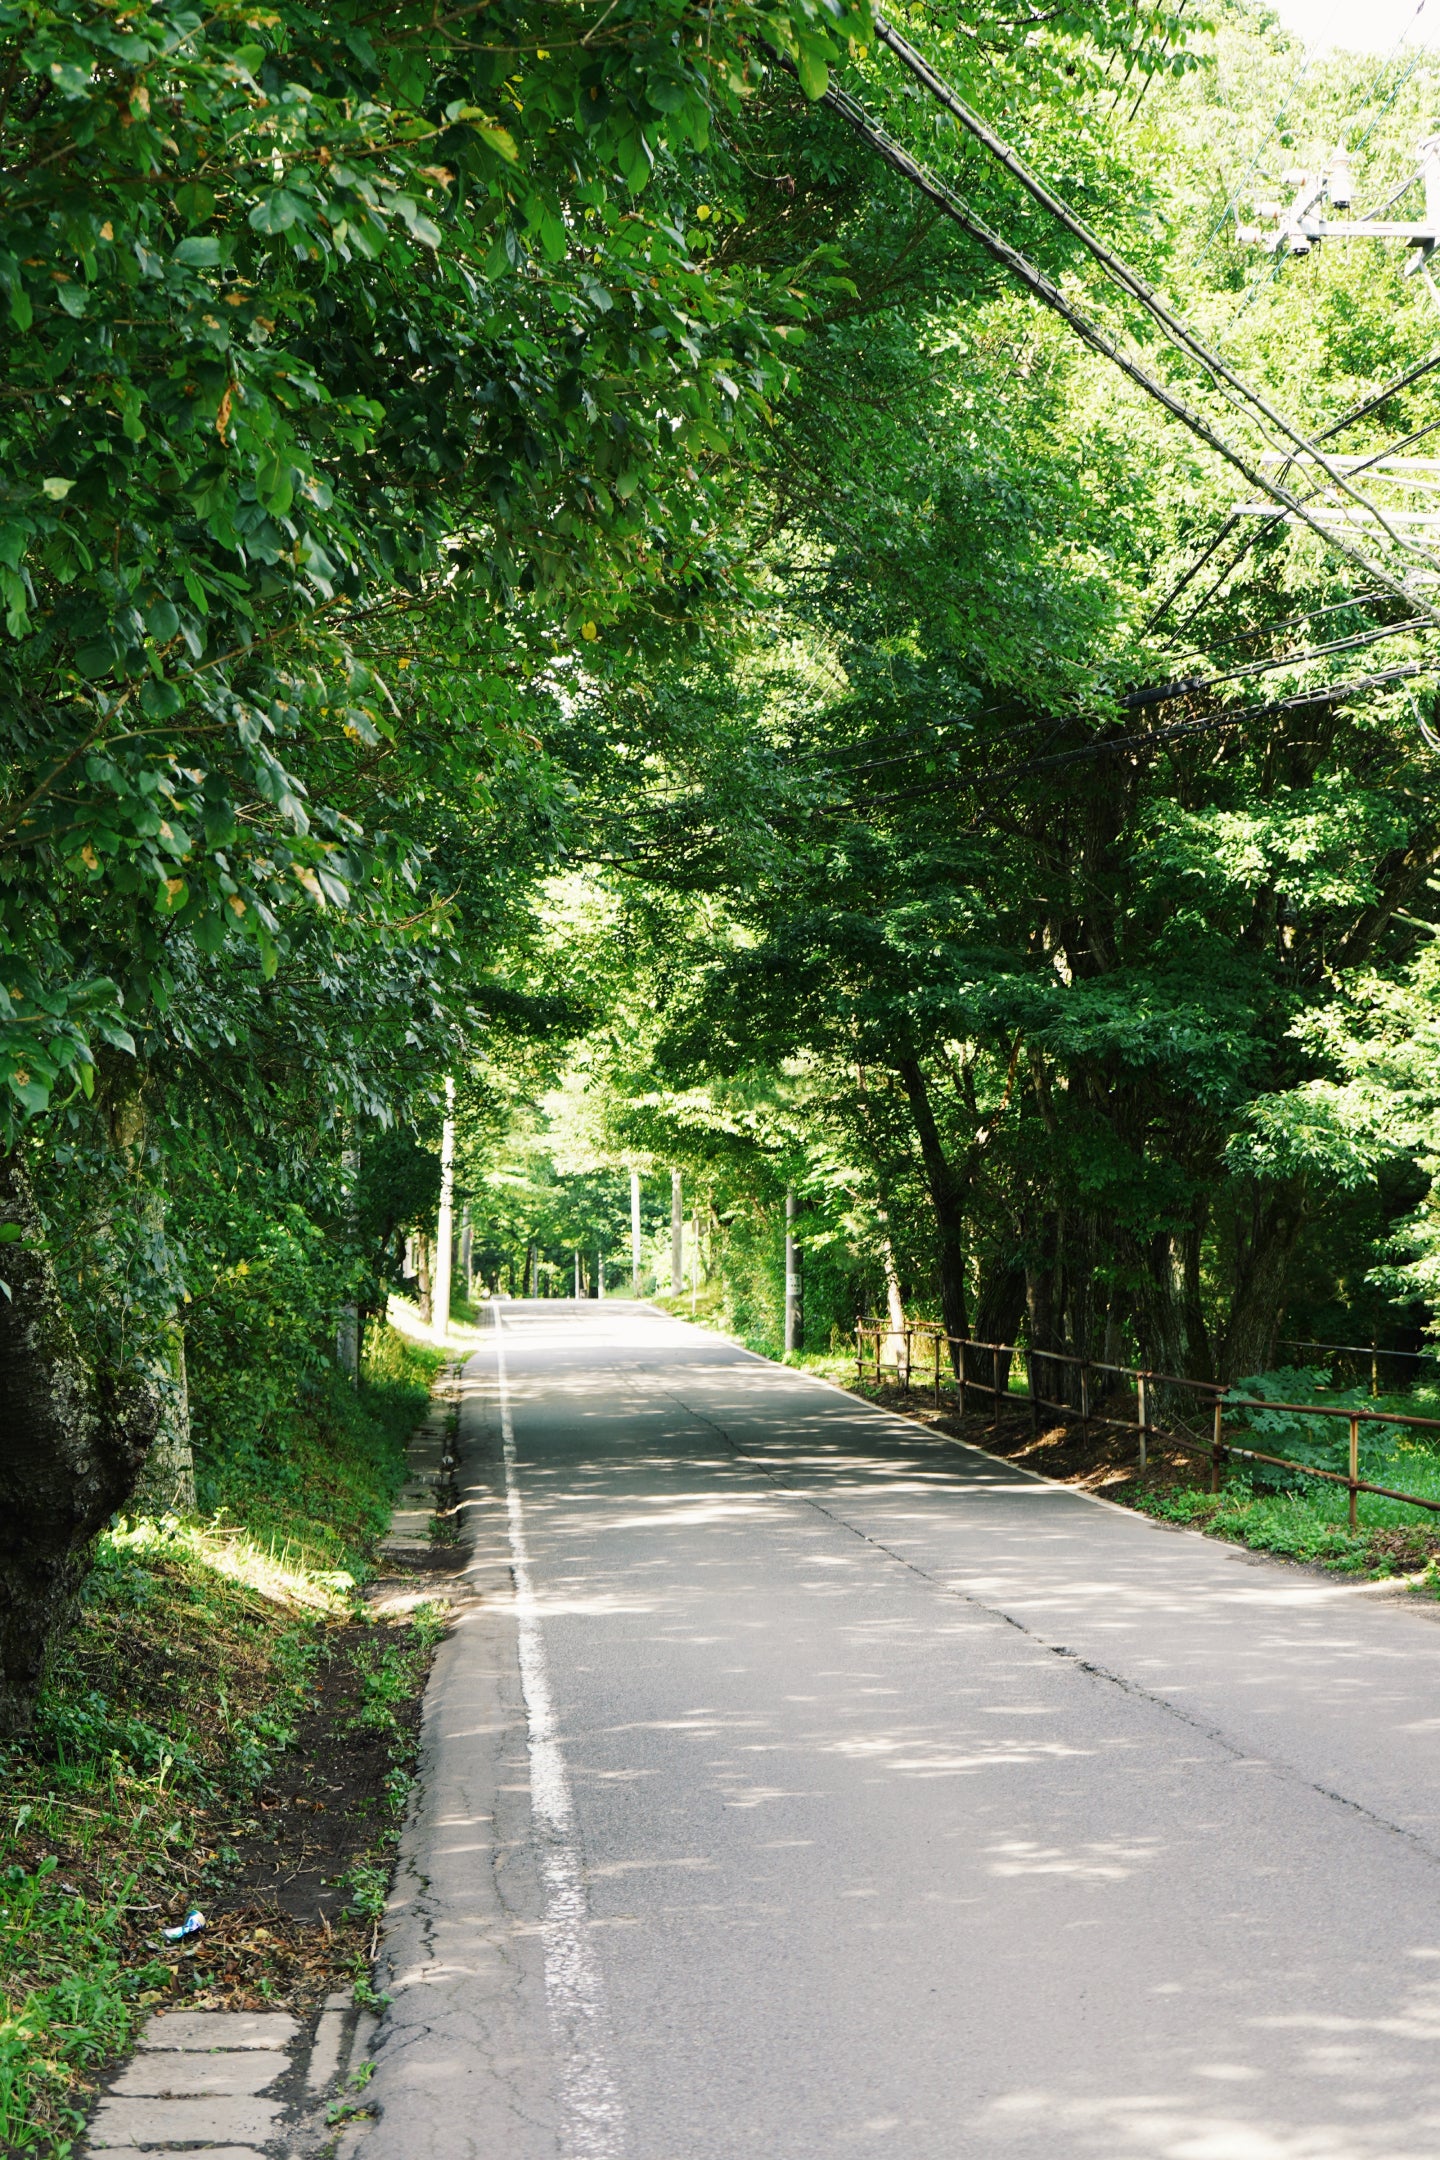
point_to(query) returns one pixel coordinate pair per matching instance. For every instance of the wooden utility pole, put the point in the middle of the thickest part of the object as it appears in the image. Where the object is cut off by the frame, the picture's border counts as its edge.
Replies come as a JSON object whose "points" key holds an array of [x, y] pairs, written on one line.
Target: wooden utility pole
{"points": [[794, 1317], [347, 1332], [634, 1231], [445, 1223], [677, 1234]]}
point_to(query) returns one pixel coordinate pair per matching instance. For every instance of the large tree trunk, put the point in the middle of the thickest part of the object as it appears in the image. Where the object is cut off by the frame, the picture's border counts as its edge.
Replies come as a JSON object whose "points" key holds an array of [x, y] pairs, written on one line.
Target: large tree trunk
{"points": [[167, 1481], [1044, 1312], [947, 1197], [894, 1343], [1257, 1309], [74, 1445], [1169, 1317], [1000, 1307]]}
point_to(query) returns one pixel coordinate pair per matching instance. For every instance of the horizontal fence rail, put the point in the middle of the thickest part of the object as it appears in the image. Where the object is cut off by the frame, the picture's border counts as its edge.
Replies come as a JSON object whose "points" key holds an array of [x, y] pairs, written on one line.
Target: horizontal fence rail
{"points": [[1358, 1355], [983, 1368]]}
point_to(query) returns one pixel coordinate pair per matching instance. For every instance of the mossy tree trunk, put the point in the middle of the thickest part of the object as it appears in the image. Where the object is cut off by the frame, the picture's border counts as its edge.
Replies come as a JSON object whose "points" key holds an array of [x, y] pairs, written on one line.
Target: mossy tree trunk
{"points": [[74, 1445]]}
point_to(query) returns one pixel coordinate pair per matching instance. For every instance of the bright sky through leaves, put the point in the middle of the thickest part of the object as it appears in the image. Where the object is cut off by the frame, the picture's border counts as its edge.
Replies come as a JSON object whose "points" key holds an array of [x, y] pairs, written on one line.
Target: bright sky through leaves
{"points": [[1375, 26]]}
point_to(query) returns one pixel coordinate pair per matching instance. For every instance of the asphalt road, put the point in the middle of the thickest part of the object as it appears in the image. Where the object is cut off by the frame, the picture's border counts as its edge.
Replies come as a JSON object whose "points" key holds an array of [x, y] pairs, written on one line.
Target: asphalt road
{"points": [[799, 1785]]}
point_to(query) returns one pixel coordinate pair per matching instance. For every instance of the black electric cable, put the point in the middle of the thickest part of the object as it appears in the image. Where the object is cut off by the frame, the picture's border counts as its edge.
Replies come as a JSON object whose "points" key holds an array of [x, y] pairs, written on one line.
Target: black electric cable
{"points": [[1188, 685], [1347, 420], [1151, 738], [1288, 622], [1036, 282], [915, 64], [1269, 524]]}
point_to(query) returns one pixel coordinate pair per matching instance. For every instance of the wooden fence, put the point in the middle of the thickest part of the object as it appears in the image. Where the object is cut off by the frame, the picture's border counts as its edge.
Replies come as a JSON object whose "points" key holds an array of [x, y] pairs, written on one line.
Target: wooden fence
{"points": [[983, 1369]]}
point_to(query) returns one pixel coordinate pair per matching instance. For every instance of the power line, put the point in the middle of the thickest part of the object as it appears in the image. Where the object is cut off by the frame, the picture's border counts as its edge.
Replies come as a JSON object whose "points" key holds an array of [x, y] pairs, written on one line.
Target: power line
{"points": [[1152, 738], [1403, 79], [1036, 282], [1258, 533], [1187, 686], [1128, 280], [1288, 622]]}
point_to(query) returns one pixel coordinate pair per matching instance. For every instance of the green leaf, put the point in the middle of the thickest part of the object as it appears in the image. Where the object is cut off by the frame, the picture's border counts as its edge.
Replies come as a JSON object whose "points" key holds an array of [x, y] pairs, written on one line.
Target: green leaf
{"points": [[56, 488], [421, 227], [499, 139], [32, 1091], [195, 201], [160, 700], [71, 81], [200, 252], [278, 211], [812, 70]]}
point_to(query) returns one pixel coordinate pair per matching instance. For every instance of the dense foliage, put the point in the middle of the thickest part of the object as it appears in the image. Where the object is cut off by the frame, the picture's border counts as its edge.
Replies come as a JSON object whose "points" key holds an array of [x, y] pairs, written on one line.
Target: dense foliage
{"points": [[1077, 1007], [531, 554]]}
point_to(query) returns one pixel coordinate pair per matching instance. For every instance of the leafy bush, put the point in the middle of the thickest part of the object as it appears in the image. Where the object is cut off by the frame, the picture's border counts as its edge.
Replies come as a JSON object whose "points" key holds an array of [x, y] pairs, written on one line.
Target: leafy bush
{"points": [[1322, 1443]]}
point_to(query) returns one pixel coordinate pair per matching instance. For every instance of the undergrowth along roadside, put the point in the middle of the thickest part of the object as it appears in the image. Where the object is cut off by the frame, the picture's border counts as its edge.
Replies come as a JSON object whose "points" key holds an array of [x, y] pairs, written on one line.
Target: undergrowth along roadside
{"points": [[225, 1718]]}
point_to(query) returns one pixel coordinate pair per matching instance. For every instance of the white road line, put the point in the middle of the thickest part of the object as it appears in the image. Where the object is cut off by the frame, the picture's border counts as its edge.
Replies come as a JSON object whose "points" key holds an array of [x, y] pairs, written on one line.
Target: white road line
{"points": [[592, 2119]]}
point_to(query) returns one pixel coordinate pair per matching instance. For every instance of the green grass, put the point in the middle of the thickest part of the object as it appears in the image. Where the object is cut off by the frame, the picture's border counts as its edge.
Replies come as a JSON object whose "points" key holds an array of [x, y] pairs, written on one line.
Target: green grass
{"points": [[196, 1653], [163, 1708], [322, 1494], [1311, 1522]]}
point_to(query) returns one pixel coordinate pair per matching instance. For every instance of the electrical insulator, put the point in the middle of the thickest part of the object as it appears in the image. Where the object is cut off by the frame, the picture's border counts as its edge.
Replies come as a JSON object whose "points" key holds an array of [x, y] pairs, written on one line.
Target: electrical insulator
{"points": [[1338, 180]]}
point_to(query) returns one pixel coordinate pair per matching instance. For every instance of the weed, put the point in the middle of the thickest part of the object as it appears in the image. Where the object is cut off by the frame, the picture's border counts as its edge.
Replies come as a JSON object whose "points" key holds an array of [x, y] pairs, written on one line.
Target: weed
{"points": [[369, 1887], [389, 1666]]}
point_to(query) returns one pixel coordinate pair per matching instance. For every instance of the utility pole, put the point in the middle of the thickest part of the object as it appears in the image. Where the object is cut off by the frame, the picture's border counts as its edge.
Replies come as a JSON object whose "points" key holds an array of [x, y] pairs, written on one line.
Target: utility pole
{"points": [[794, 1316], [634, 1231], [445, 1225], [467, 1254], [1301, 224], [677, 1235], [347, 1332]]}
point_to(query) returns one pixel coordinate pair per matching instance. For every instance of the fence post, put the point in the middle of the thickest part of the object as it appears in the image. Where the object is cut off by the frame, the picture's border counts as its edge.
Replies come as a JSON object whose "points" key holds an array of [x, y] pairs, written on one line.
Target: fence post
{"points": [[1030, 1386], [1354, 1465], [1217, 1443], [994, 1388], [960, 1377], [1374, 1373], [905, 1383], [859, 1353], [1084, 1398], [937, 1368], [1140, 1404]]}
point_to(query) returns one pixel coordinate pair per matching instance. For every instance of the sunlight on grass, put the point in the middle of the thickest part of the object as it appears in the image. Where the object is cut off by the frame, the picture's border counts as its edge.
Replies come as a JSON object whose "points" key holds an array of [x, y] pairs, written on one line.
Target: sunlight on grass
{"points": [[197, 1652]]}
